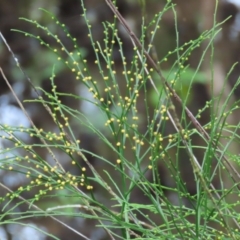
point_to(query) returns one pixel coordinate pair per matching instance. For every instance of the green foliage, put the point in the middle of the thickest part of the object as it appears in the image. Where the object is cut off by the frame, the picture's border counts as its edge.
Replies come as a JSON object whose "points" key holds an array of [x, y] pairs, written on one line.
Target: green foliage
{"points": [[183, 84], [134, 139]]}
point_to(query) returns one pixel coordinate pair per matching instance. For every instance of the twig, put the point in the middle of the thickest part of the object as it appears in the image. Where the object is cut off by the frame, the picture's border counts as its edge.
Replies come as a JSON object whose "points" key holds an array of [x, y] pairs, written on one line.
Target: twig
{"points": [[174, 96], [31, 205], [51, 114]]}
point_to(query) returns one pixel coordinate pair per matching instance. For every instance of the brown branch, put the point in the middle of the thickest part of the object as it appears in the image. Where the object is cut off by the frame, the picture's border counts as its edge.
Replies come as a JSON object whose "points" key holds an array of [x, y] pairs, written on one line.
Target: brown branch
{"points": [[173, 94]]}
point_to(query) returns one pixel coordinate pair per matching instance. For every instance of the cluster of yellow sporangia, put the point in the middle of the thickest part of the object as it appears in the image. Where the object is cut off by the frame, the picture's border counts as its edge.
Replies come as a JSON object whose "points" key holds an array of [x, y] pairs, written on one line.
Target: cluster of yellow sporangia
{"points": [[51, 179]]}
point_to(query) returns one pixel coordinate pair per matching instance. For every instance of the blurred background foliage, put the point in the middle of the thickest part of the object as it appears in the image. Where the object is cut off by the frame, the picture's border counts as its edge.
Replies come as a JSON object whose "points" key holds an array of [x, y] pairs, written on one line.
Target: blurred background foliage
{"points": [[193, 17]]}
